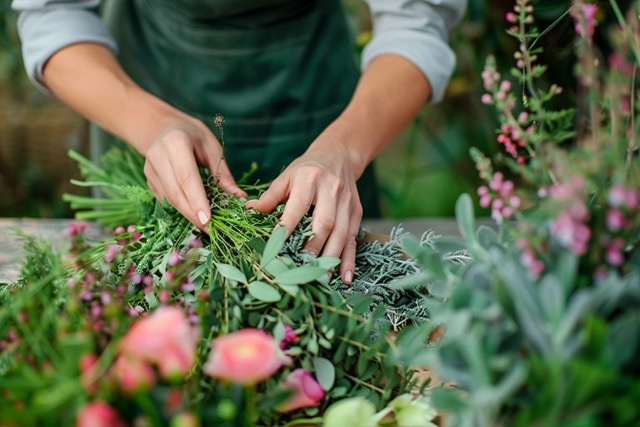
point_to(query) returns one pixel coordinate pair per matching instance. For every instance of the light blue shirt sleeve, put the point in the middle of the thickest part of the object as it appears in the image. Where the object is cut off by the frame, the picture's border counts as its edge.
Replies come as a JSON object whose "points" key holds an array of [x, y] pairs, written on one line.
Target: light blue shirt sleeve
{"points": [[46, 26], [417, 30]]}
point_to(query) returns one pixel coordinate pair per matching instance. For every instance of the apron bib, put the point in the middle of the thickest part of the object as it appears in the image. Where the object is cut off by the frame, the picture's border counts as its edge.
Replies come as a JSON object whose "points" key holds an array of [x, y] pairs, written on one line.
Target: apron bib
{"points": [[279, 71]]}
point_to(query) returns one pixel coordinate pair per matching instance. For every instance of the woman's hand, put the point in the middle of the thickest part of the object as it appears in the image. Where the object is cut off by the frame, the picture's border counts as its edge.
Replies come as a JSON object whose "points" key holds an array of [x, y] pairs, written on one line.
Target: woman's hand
{"points": [[171, 169], [390, 93], [325, 179], [87, 77]]}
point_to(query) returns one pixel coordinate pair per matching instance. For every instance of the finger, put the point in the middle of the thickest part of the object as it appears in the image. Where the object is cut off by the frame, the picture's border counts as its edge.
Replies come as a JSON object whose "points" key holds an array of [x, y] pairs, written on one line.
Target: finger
{"points": [[329, 224], [186, 183], [297, 205], [348, 256], [272, 197], [165, 186]]}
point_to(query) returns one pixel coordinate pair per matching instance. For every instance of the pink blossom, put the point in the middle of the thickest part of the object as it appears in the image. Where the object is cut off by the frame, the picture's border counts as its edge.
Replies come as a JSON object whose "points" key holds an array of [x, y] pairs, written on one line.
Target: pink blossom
{"points": [[247, 356], [306, 391], [289, 336], [133, 375], [98, 414], [486, 99], [571, 233], [112, 251], [165, 338], [87, 364], [614, 253], [616, 220], [118, 230], [510, 17], [174, 258], [617, 195], [585, 20], [76, 228]]}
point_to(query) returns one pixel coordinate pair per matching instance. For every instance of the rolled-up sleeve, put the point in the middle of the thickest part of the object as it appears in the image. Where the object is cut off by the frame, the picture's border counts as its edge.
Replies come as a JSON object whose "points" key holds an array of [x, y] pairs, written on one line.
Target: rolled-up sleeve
{"points": [[418, 30], [46, 26]]}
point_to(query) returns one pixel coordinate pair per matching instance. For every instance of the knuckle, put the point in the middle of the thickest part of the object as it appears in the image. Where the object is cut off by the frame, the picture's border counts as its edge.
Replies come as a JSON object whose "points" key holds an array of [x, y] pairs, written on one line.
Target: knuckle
{"points": [[172, 197], [325, 223], [184, 177]]}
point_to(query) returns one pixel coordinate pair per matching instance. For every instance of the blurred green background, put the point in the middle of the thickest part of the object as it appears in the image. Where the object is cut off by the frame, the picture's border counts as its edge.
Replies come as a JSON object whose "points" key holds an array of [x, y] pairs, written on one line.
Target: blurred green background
{"points": [[421, 174]]}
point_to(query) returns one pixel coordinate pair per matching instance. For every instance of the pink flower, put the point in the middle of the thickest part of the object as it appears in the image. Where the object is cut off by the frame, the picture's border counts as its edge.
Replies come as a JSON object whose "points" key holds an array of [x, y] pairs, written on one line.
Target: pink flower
{"points": [[98, 414], [289, 336], [76, 228], [614, 253], [112, 251], [133, 375], [616, 220], [174, 258], [247, 356], [585, 20], [306, 391], [165, 338], [87, 365]]}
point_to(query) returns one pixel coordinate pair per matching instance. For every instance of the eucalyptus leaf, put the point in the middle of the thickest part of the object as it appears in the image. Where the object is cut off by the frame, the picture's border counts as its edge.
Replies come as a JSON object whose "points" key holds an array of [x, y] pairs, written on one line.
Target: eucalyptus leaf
{"points": [[300, 275], [264, 292], [231, 272], [465, 217], [274, 245], [325, 372]]}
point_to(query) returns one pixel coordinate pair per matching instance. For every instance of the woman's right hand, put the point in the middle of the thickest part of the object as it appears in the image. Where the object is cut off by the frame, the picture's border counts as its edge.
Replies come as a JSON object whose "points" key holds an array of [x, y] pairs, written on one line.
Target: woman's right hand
{"points": [[88, 78], [171, 168]]}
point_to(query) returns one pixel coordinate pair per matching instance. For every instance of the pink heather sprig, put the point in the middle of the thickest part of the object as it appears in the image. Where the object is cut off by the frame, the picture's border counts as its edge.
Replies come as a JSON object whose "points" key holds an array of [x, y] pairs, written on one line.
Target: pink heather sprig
{"points": [[500, 196], [570, 227], [623, 205], [585, 22], [529, 258]]}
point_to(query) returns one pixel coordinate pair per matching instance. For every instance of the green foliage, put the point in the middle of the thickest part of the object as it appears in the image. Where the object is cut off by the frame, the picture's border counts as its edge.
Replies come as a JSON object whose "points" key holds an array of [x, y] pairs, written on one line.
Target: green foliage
{"points": [[533, 351]]}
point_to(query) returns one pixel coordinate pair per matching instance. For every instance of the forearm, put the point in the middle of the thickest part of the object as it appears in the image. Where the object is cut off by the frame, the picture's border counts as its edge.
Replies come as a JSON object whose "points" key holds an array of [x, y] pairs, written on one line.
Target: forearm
{"points": [[88, 78], [391, 92]]}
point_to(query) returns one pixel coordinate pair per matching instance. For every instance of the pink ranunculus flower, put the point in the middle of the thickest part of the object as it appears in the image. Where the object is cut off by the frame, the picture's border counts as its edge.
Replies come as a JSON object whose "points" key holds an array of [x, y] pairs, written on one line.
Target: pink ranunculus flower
{"points": [[247, 357], [165, 338], [133, 374], [306, 391], [98, 414]]}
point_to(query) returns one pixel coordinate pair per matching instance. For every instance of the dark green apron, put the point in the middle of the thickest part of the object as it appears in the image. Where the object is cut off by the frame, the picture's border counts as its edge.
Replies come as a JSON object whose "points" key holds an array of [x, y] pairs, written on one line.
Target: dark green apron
{"points": [[279, 71]]}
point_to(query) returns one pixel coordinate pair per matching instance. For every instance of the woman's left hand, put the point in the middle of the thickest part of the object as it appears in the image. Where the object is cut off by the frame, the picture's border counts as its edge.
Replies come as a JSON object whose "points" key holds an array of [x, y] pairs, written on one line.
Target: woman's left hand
{"points": [[323, 177]]}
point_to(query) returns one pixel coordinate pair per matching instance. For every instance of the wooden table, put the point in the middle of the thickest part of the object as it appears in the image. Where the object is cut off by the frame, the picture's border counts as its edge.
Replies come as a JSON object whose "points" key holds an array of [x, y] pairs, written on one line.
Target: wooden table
{"points": [[54, 231]]}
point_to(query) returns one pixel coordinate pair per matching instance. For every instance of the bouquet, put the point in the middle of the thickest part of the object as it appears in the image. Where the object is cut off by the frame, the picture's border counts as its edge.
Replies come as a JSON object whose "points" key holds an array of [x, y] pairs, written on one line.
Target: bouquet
{"points": [[157, 323]]}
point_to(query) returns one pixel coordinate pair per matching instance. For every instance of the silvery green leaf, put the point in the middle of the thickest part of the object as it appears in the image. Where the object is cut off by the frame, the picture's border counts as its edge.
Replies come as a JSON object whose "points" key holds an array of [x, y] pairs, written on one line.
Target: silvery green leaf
{"points": [[291, 289], [487, 236], [264, 292], [275, 267], [300, 275], [465, 217], [231, 272], [274, 245], [151, 300], [278, 332], [328, 262], [325, 372]]}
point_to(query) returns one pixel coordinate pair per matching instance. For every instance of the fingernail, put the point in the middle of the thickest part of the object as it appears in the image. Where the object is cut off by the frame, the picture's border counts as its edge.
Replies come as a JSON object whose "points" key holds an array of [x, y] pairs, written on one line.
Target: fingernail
{"points": [[203, 217], [348, 277]]}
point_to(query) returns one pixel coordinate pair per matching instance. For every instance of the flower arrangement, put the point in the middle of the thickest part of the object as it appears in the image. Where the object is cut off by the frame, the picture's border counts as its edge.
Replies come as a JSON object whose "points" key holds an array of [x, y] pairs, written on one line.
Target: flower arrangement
{"points": [[157, 323]]}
